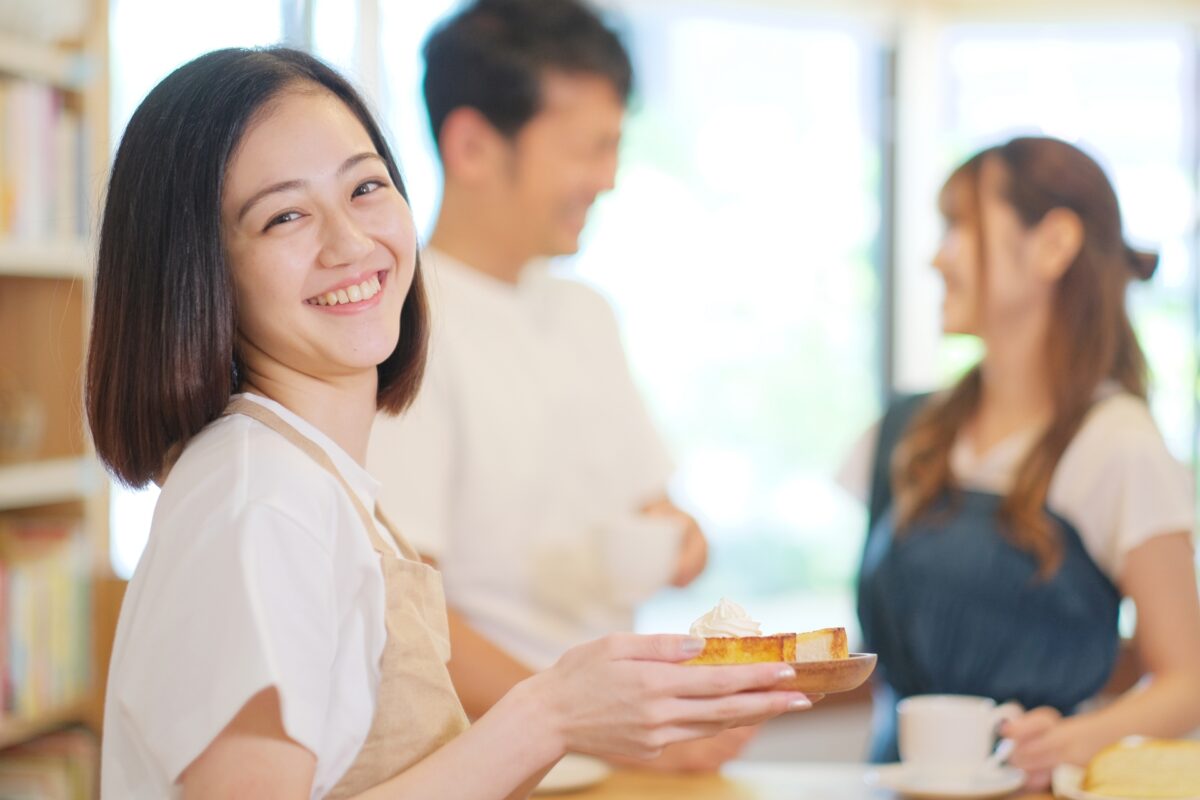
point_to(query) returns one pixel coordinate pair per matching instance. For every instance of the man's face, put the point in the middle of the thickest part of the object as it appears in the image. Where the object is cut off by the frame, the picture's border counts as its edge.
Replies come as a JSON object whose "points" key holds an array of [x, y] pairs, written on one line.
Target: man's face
{"points": [[561, 161]]}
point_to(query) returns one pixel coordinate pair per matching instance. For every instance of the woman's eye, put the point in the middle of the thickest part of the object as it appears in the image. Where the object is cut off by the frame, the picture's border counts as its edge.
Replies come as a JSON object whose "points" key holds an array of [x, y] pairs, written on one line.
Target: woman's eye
{"points": [[366, 187], [287, 216]]}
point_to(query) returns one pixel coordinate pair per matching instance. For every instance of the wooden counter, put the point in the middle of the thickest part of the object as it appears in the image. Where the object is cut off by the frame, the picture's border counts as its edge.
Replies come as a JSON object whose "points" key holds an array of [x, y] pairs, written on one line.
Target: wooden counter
{"points": [[747, 781]]}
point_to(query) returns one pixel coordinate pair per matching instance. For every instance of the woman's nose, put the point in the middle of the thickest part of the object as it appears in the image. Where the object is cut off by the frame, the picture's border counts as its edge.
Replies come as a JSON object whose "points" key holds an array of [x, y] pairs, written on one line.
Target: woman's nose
{"points": [[344, 241], [941, 259]]}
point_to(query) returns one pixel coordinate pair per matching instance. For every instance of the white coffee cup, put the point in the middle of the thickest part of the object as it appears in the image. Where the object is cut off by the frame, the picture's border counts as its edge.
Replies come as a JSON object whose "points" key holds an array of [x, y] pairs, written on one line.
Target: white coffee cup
{"points": [[639, 553], [953, 735]]}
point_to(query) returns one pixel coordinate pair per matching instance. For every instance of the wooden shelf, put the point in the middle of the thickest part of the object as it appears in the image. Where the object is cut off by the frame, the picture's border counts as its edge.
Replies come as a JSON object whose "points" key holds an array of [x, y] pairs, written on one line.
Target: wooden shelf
{"points": [[16, 730], [45, 259], [37, 483], [46, 285], [43, 63]]}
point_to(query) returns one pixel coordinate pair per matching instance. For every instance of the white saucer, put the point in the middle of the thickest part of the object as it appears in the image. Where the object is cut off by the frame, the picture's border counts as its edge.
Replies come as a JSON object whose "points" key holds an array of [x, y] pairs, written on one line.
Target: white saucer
{"points": [[1067, 782], [908, 782], [572, 773]]}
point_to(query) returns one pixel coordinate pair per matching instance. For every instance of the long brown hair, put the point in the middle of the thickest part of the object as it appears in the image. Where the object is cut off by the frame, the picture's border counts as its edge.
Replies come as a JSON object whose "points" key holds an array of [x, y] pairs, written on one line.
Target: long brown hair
{"points": [[1090, 339]]}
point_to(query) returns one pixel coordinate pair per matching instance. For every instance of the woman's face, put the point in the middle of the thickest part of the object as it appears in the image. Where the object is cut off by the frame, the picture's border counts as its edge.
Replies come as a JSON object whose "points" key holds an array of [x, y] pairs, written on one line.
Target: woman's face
{"points": [[979, 300], [320, 243]]}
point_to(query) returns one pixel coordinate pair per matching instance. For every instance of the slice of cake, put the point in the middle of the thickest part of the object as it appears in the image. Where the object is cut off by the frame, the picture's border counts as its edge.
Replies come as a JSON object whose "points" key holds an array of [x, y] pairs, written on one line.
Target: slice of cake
{"points": [[1155, 768], [826, 644], [732, 637], [746, 649]]}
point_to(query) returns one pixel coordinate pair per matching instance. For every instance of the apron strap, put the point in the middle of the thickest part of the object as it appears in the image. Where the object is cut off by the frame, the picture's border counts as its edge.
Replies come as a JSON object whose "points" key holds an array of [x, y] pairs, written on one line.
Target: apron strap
{"points": [[255, 411]]}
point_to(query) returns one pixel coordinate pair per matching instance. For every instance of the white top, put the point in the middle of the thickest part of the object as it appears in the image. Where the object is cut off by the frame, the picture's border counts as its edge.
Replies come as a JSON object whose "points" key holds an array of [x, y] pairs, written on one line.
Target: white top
{"points": [[258, 573], [1116, 482], [524, 461]]}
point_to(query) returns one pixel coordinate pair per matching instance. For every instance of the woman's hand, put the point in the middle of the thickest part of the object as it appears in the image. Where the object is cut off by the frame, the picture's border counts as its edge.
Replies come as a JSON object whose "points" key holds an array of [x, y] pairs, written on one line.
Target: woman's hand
{"points": [[1044, 739], [623, 696], [1160, 578]]}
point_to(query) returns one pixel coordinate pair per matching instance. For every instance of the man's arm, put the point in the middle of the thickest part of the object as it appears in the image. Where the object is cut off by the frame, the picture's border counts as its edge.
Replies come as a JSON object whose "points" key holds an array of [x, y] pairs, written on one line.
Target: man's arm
{"points": [[482, 672]]}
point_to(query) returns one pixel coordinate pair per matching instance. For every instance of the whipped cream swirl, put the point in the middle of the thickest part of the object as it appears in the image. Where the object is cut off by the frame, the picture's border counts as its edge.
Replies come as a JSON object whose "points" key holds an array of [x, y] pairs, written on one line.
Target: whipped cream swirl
{"points": [[726, 619]]}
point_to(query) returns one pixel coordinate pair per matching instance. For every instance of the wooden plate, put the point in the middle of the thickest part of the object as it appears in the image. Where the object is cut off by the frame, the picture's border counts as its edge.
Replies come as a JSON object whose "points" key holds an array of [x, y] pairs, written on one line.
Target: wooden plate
{"points": [[828, 677]]}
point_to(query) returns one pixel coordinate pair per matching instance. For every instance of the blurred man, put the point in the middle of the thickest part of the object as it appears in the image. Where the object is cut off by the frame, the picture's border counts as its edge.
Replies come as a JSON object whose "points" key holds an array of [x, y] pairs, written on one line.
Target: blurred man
{"points": [[528, 469]]}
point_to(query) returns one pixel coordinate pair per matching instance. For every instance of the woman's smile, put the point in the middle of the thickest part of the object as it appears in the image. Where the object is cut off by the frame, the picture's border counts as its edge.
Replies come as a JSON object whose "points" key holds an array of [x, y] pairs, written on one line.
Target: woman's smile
{"points": [[353, 294]]}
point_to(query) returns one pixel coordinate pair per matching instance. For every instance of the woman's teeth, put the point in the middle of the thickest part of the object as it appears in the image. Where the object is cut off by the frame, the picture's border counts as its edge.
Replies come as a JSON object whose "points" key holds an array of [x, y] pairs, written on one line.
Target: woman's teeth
{"points": [[351, 294]]}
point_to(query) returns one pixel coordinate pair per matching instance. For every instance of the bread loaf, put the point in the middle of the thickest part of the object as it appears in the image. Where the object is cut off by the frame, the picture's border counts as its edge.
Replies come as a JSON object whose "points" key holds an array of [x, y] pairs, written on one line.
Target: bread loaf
{"points": [[1155, 768], [826, 644]]}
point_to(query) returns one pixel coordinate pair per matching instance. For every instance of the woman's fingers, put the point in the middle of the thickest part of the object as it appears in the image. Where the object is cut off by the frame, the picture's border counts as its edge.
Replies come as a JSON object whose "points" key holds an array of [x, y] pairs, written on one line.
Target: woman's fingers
{"points": [[1031, 724], [732, 711], [1038, 780], [716, 681], [625, 695], [636, 647], [691, 726]]}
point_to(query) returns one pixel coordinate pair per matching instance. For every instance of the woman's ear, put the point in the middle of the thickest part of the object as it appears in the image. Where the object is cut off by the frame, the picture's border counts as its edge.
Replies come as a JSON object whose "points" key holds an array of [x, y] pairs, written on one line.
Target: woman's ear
{"points": [[1058, 238]]}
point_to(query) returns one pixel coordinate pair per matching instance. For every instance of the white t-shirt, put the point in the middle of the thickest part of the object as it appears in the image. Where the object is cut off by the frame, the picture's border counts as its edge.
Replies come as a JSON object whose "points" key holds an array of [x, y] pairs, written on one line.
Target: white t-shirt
{"points": [[258, 572], [1116, 482], [523, 463]]}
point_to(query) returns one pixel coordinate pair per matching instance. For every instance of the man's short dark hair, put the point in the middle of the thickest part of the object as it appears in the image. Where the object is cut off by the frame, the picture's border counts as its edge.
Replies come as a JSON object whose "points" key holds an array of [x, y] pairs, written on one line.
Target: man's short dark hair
{"points": [[492, 55], [163, 360]]}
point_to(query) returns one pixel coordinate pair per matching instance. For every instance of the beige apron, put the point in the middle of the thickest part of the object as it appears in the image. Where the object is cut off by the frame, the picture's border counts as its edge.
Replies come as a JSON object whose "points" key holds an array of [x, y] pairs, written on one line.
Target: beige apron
{"points": [[416, 708]]}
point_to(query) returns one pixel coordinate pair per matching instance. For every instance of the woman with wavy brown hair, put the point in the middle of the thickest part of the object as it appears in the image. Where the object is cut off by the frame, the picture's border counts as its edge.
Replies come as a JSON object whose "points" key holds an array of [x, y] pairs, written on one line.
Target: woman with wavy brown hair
{"points": [[1011, 513]]}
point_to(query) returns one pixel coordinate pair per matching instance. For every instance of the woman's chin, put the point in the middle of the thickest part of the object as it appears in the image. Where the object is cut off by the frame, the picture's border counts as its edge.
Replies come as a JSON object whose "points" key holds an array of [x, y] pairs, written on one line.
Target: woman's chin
{"points": [[956, 323], [955, 328]]}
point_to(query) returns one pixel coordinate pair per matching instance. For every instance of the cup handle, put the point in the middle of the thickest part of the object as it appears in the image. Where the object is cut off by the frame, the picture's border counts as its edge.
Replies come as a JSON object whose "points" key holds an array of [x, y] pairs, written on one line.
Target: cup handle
{"points": [[1004, 713]]}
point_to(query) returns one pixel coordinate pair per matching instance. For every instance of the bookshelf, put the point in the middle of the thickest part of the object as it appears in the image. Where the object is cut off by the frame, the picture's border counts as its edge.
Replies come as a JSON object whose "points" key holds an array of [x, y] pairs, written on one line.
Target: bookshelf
{"points": [[63, 67], [53, 159], [48, 482], [19, 731], [47, 259]]}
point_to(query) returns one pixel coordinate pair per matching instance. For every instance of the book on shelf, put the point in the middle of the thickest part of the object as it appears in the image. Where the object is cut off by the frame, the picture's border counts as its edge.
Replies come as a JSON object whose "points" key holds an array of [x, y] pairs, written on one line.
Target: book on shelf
{"points": [[42, 154], [46, 623], [59, 766]]}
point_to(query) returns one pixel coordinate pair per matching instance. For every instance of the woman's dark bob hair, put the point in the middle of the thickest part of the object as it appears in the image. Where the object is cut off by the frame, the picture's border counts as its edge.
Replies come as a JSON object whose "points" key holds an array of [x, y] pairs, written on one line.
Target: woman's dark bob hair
{"points": [[163, 358]]}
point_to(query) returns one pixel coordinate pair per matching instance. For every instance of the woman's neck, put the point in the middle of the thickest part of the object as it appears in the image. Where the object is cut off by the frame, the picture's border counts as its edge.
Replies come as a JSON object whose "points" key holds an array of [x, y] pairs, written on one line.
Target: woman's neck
{"points": [[1016, 393], [342, 408]]}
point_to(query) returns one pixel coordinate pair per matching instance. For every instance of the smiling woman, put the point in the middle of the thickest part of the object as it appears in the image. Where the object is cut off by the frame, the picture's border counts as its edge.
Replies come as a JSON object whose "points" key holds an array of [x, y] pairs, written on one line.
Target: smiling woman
{"points": [[332, 234], [258, 300]]}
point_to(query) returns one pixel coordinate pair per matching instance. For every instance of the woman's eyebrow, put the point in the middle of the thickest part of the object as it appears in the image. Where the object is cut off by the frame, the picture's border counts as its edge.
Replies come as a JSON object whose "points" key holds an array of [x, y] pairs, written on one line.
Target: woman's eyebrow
{"points": [[286, 186]]}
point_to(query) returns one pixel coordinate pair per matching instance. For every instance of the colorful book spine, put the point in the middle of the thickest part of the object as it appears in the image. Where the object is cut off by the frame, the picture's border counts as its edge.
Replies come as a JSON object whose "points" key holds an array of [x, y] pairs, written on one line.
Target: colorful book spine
{"points": [[47, 614], [41, 164], [60, 766]]}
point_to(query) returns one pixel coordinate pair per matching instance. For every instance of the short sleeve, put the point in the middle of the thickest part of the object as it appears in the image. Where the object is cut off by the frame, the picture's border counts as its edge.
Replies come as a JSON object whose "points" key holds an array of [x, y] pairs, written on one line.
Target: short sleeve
{"points": [[412, 457], [1120, 485], [249, 606]]}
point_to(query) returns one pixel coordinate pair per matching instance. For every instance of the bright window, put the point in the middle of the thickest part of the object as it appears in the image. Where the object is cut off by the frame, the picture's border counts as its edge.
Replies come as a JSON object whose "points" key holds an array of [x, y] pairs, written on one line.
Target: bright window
{"points": [[1128, 96], [739, 250]]}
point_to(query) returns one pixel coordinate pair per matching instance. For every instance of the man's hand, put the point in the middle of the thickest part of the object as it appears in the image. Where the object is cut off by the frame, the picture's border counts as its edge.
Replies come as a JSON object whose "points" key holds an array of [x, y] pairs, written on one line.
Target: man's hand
{"points": [[696, 756], [693, 548]]}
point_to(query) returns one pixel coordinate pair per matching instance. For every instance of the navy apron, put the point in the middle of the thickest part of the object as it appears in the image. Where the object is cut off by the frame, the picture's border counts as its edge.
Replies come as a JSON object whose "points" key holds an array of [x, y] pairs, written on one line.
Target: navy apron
{"points": [[952, 607]]}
